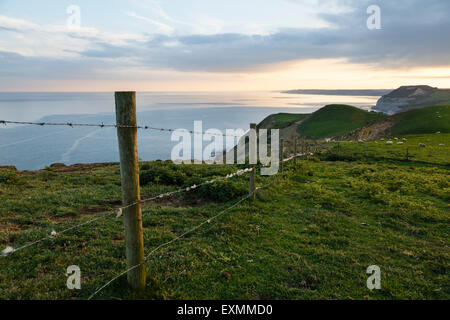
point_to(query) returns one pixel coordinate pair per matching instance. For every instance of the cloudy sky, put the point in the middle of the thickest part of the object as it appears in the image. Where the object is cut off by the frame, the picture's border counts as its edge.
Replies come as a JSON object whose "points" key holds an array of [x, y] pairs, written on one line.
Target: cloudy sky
{"points": [[212, 45]]}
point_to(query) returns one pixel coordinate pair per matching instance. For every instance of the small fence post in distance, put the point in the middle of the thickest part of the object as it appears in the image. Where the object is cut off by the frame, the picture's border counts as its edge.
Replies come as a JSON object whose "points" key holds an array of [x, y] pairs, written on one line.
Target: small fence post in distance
{"points": [[303, 149], [129, 171], [252, 184], [281, 154], [295, 151]]}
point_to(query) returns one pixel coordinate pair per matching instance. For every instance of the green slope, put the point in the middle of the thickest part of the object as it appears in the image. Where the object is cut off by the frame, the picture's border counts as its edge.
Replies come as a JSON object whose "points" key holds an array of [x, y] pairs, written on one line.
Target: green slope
{"points": [[337, 120], [281, 120], [340, 120], [423, 120], [311, 234]]}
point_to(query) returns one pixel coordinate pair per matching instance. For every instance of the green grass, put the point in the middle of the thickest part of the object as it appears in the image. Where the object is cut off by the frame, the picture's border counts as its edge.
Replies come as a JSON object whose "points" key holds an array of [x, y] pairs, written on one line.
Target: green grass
{"points": [[432, 153], [421, 121], [337, 120], [281, 120], [310, 235]]}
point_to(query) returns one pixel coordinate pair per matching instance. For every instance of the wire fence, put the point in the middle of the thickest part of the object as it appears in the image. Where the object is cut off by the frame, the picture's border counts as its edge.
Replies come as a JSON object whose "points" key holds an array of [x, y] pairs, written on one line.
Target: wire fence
{"points": [[208, 221], [102, 125], [119, 211], [308, 149], [402, 151]]}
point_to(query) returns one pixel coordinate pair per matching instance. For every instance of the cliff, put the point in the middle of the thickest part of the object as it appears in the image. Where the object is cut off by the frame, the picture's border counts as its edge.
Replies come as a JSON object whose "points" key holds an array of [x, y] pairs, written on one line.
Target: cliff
{"points": [[412, 97]]}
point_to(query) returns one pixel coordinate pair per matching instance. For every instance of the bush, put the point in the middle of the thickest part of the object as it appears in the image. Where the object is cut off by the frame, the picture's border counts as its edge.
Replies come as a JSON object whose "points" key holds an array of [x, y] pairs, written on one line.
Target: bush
{"points": [[47, 174], [8, 177], [162, 175], [169, 173], [222, 191]]}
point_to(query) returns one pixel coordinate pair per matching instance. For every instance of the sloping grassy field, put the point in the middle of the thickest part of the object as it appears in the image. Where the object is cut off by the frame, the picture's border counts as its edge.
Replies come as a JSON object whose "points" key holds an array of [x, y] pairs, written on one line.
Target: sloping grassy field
{"points": [[337, 120], [436, 150], [310, 235], [422, 121], [281, 120]]}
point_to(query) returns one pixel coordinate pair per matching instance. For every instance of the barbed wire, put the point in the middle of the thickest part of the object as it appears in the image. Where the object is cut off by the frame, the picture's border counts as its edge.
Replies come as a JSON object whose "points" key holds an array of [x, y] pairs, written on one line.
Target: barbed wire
{"points": [[102, 125], [175, 239], [192, 187], [10, 250], [119, 211]]}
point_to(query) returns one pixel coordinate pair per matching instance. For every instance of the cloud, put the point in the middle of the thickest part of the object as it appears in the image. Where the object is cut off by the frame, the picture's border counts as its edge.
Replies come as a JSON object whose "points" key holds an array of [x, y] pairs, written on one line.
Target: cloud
{"points": [[412, 35], [17, 25]]}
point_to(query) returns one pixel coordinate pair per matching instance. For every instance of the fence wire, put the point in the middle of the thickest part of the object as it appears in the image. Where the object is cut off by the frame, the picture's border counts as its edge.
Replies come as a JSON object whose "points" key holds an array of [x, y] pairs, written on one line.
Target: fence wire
{"points": [[143, 127], [118, 211], [173, 240]]}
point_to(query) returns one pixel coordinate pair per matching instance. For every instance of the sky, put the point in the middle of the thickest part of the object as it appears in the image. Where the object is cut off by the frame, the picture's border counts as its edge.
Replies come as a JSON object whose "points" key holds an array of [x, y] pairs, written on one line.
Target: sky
{"points": [[233, 45]]}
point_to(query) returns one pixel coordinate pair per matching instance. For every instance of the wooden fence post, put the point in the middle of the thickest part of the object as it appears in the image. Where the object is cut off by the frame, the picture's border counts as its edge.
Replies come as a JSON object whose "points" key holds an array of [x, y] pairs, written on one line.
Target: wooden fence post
{"points": [[252, 184], [303, 149], [407, 153], [129, 172], [281, 154], [295, 151]]}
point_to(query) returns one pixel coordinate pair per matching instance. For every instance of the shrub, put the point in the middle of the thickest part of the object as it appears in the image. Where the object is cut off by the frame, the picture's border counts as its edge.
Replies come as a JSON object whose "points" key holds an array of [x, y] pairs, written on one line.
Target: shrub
{"points": [[222, 191], [162, 175], [8, 177]]}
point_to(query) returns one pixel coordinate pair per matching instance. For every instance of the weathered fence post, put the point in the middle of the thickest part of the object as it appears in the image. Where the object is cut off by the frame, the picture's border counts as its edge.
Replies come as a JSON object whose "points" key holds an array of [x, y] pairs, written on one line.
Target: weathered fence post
{"points": [[281, 154], [129, 172], [252, 184], [303, 149], [407, 153], [295, 151]]}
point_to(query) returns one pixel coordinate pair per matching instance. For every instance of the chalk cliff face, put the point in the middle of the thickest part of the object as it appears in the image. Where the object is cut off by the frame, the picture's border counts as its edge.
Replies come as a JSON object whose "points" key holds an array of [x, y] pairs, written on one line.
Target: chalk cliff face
{"points": [[412, 97]]}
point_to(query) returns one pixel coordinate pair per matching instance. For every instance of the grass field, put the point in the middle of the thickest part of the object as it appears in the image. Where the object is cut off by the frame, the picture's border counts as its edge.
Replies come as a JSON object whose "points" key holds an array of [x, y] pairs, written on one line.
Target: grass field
{"points": [[281, 120], [310, 235], [337, 120], [433, 152], [422, 121]]}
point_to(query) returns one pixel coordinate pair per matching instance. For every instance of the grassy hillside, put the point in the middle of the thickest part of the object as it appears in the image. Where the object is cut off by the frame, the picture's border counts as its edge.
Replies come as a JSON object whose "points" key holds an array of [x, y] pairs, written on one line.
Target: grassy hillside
{"points": [[343, 120], [310, 235], [337, 120], [281, 120], [423, 120], [437, 148]]}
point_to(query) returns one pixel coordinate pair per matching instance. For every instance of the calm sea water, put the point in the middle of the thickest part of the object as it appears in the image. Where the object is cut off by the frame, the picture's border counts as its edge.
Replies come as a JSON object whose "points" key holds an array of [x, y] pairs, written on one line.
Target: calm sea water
{"points": [[33, 147]]}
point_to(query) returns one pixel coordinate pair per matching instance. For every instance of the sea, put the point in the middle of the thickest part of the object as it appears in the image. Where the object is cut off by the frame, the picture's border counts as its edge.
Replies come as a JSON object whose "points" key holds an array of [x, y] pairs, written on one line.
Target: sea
{"points": [[29, 147]]}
